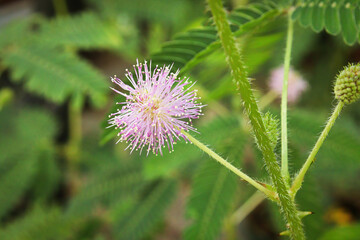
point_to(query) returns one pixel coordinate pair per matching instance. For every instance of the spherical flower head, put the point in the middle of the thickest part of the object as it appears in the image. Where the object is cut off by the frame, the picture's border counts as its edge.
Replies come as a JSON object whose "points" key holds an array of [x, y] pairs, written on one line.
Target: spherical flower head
{"points": [[296, 84], [347, 85], [158, 107]]}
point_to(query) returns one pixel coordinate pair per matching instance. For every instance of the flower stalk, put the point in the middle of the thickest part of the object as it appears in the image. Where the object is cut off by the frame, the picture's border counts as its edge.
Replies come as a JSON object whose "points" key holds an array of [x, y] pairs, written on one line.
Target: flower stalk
{"points": [[253, 202], [309, 161], [270, 194], [239, 74], [75, 134], [284, 100]]}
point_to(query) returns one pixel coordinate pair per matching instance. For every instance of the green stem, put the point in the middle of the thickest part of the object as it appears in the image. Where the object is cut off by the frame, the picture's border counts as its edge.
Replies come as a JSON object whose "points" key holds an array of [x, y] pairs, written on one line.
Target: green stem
{"points": [[300, 177], [239, 74], [231, 167], [267, 99], [74, 141], [247, 208], [284, 136], [60, 7], [6, 96]]}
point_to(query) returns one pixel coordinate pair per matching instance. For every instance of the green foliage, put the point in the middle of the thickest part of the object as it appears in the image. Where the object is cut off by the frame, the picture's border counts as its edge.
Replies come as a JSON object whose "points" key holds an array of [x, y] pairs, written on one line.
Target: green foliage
{"points": [[213, 193], [168, 14], [213, 133], [335, 16], [143, 216], [313, 198], [42, 58], [257, 49], [14, 183], [340, 151], [54, 74], [109, 184], [188, 49], [6, 95], [350, 232], [40, 223], [23, 153], [15, 31], [46, 176], [86, 30]]}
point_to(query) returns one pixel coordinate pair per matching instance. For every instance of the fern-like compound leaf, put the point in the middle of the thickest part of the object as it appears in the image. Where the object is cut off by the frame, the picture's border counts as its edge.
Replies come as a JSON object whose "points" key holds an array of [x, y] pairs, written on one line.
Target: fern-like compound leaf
{"points": [[213, 193], [39, 223], [146, 214], [86, 30], [54, 74], [187, 49], [335, 16]]}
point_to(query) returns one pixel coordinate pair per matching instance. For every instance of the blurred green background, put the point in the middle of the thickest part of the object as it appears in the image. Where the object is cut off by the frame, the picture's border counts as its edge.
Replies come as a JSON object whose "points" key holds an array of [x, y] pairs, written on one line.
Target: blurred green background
{"points": [[63, 177]]}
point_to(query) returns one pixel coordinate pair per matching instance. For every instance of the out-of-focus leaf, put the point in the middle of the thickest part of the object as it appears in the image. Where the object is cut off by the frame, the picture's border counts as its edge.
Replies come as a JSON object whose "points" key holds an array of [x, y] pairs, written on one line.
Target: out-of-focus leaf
{"points": [[350, 232], [170, 163], [19, 30], [340, 151], [111, 183], [15, 181], [212, 195], [86, 30], [21, 151], [54, 74], [146, 214], [213, 191], [40, 224], [348, 23]]}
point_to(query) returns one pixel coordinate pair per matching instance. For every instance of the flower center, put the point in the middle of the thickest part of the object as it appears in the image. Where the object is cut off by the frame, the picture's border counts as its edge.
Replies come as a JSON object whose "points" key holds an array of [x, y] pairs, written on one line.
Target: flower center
{"points": [[151, 106]]}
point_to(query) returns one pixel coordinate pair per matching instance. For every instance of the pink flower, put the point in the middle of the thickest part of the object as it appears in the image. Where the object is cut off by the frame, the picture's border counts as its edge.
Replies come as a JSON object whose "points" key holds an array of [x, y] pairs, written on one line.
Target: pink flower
{"points": [[157, 105], [296, 84]]}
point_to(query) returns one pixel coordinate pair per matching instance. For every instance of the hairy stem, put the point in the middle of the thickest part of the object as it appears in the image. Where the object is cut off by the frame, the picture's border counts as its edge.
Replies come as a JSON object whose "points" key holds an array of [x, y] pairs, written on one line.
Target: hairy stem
{"points": [[284, 97], [239, 74], [245, 209], [300, 177], [231, 167]]}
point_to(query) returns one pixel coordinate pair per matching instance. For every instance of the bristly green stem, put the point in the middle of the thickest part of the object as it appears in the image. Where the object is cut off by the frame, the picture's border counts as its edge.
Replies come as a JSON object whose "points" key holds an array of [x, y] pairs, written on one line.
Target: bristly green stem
{"points": [[239, 75], [300, 177], [284, 97], [231, 167]]}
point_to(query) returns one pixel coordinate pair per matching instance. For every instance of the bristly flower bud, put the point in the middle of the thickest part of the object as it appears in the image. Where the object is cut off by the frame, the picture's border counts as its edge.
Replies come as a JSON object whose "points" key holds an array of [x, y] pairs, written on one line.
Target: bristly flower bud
{"points": [[271, 125], [347, 85]]}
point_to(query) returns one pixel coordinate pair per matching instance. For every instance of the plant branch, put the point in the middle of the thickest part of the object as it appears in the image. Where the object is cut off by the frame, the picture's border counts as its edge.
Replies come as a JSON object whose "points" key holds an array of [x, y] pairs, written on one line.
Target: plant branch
{"points": [[300, 177], [284, 97], [245, 209], [267, 99], [239, 74], [211, 153], [75, 134], [60, 7]]}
